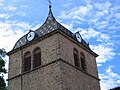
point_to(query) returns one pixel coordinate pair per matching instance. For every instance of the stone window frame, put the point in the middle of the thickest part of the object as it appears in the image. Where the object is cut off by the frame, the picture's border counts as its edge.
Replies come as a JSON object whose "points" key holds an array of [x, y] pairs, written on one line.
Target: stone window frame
{"points": [[27, 61], [79, 60], [36, 56], [83, 61], [76, 58], [30, 65]]}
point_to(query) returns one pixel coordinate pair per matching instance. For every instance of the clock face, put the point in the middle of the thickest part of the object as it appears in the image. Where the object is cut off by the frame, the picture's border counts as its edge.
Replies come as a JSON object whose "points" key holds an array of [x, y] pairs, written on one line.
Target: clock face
{"points": [[30, 36], [78, 37]]}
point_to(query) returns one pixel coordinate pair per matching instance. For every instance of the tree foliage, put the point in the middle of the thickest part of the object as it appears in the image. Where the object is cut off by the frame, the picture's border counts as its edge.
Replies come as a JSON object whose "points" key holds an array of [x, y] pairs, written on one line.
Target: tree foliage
{"points": [[2, 83], [2, 69]]}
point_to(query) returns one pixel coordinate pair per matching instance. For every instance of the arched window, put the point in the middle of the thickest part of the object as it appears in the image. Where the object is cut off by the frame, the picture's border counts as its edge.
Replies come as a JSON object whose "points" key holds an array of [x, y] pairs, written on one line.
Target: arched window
{"points": [[83, 62], [27, 61], [37, 57], [76, 58]]}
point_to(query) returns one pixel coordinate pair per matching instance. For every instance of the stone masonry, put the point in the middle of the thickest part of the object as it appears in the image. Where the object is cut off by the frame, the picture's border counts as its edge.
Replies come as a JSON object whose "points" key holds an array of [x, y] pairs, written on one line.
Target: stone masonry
{"points": [[57, 70]]}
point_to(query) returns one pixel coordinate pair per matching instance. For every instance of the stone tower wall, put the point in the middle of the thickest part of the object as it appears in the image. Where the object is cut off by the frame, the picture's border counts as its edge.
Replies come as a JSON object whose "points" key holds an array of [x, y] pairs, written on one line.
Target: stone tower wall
{"points": [[66, 53], [49, 52], [54, 73], [75, 79], [15, 64]]}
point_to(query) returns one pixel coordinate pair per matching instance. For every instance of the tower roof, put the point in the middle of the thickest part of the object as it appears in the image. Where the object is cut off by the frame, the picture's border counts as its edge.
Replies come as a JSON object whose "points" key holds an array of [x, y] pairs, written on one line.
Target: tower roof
{"points": [[48, 26]]}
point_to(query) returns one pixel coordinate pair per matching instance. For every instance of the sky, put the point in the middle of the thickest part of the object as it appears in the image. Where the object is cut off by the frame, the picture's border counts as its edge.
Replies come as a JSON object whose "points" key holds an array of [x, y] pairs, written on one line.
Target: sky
{"points": [[98, 21]]}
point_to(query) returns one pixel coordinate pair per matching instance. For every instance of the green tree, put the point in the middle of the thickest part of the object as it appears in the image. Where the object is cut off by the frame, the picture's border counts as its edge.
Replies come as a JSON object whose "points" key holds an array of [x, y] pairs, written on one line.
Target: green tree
{"points": [[2, 69]]}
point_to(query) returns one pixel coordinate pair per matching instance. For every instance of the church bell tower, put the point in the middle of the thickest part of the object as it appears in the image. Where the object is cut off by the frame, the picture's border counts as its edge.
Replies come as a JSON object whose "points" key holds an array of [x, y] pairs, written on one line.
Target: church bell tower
{"points": [[52, 58]]}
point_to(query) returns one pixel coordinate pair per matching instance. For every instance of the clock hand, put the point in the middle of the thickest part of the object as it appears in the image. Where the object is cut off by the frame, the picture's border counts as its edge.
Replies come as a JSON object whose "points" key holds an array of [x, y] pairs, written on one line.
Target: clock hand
{"points": [[30, 34]]}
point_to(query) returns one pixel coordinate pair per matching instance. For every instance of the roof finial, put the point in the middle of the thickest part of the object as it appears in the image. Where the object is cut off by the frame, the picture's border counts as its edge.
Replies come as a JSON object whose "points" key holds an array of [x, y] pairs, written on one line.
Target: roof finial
{"points": [[50, 11]]}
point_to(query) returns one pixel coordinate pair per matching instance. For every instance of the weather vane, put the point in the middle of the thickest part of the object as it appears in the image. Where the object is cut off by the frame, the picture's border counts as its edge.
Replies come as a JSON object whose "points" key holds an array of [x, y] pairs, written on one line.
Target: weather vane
{"points": [[49, 1]]}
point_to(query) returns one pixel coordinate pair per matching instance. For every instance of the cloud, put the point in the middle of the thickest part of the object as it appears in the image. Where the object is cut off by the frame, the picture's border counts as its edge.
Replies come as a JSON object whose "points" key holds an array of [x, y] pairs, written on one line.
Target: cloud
{"points": [[10, 8], [4, 15], [10, 32], [109, 79], [103, 6], [21, 13], [105, 53], [99, 15], [1, 1], [117, 15], [67, 4], [68, 26], [92, 10], [90, 33], [76, 12]]}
